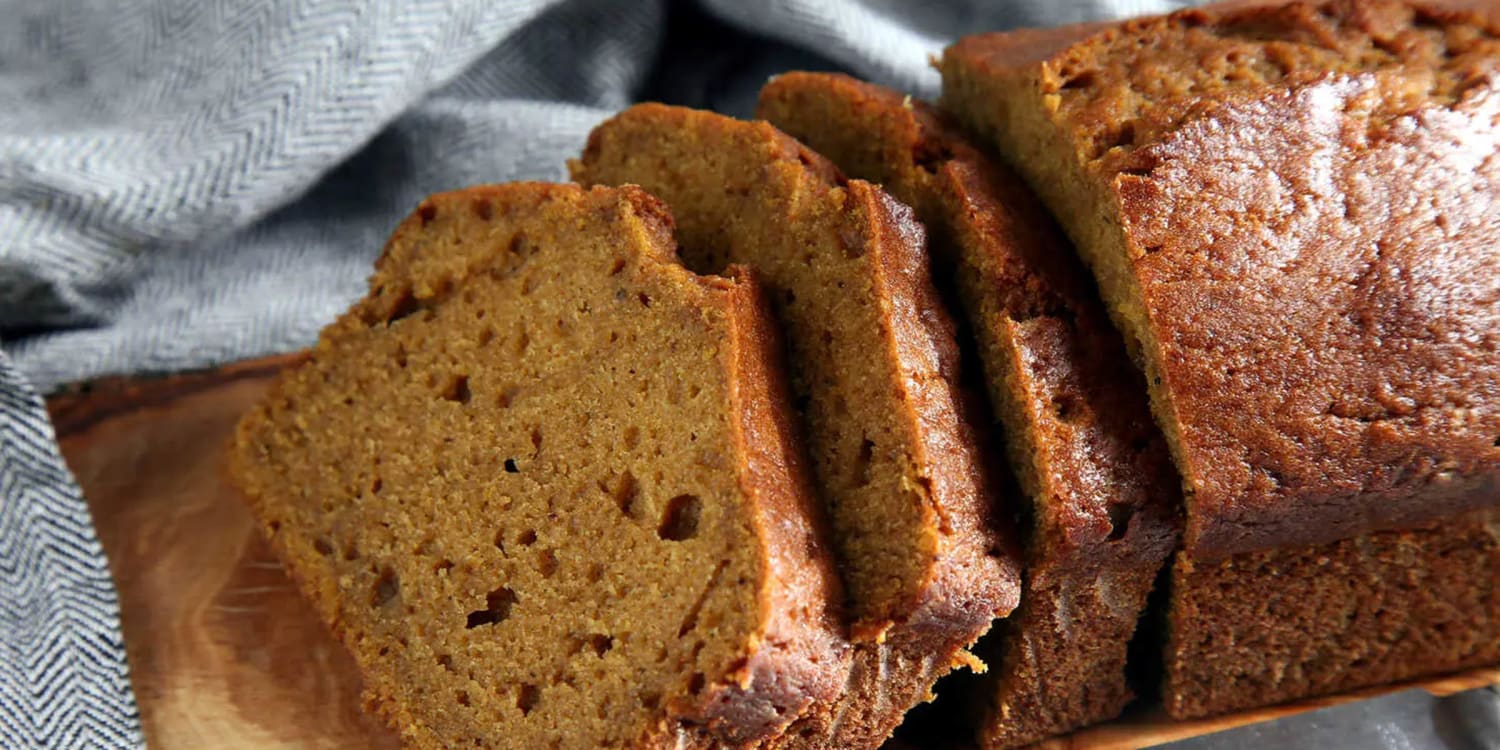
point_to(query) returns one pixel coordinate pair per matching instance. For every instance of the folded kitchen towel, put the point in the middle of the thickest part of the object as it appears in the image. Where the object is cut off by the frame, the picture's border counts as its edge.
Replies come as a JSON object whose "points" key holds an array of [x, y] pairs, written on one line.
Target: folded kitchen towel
{"points": [[189, 182], [63, 679]]}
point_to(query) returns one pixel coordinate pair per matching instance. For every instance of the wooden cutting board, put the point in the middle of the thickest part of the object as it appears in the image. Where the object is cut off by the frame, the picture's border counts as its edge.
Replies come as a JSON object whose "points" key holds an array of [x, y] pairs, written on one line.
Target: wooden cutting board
{"points": [[223, 652]]}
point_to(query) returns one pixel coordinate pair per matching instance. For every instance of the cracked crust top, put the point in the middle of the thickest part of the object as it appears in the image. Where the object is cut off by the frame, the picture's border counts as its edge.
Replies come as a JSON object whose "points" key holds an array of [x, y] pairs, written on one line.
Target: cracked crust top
{"points": [[1293, 211]]}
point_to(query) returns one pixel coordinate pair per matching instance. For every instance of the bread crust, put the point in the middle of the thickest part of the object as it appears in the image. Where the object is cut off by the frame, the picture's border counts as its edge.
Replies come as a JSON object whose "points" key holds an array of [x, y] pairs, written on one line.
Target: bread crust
{"points": [[800, 594], [1343, 448], [1377, 609], [1328, 374]]}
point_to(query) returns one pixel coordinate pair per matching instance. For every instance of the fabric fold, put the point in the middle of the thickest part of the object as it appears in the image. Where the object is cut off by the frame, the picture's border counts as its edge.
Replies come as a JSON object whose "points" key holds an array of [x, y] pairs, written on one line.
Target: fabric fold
{"points": [[63, 676]]}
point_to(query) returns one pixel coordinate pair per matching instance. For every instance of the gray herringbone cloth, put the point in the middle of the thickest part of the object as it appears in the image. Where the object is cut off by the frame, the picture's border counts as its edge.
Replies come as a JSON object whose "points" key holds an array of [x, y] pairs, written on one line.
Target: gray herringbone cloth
{"points": [[189, 182]]}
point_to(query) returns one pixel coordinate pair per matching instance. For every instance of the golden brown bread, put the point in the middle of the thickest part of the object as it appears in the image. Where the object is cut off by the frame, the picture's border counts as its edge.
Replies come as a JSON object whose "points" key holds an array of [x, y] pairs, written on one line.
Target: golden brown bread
{"points": [[544, 483], [1285, 263], [874, 366], [1290, 212], [1384, 607], [1101, 486]]}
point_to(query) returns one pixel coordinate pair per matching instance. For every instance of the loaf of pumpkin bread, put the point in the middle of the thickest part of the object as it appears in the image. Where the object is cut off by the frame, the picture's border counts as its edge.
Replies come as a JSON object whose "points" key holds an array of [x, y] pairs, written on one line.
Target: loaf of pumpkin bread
{"points": [[1291, 213], [545, 484]]}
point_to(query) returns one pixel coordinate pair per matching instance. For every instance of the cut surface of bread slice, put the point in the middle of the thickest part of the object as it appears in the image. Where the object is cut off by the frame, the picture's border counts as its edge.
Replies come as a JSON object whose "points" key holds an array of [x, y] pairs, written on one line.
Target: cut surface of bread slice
{"points": [[545, 484], [874, 365], [1286, 212], [1102, 489]]}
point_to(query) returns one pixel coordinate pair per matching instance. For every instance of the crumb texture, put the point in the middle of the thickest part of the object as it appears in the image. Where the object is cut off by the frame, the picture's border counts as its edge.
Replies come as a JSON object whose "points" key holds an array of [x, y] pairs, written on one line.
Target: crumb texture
{"points": [[875, 370], [873, 355], [515, 480]]}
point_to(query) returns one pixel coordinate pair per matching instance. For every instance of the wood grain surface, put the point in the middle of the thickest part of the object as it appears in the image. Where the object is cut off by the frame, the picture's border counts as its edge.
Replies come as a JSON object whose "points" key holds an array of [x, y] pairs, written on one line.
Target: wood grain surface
{"points": [[223, 652]]}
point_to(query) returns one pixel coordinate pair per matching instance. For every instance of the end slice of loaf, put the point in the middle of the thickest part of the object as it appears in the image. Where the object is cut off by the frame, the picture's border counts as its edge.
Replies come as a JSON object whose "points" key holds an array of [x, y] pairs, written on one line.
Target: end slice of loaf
{"points": [[1093, 465], [1286, 211], [544, 483], [928, 564]]}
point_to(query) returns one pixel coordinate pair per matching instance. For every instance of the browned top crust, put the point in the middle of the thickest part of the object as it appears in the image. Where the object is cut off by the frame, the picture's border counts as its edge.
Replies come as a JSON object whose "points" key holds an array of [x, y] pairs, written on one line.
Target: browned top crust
{"points": [[544, 483], [1293, 211]]}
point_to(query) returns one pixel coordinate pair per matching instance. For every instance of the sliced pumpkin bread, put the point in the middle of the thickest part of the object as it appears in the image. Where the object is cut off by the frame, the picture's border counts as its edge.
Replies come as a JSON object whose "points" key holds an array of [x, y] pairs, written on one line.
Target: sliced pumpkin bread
{"points": [[1102, 491], [927, 561], [544, 483]]}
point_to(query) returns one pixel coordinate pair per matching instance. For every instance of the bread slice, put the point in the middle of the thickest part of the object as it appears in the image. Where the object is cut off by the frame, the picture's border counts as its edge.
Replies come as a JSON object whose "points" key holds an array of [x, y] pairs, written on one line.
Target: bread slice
{"points": [[1285, 213], [544, 483], [1102, 491], [874, 362]]}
